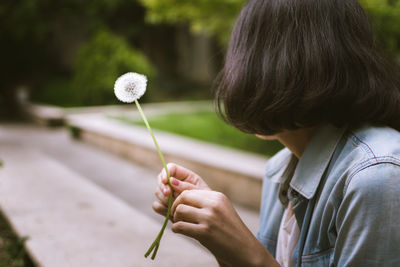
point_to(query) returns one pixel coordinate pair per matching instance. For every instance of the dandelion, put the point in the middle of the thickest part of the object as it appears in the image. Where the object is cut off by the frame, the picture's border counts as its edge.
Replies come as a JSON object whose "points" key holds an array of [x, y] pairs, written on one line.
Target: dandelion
{"points": [[129, 88]]}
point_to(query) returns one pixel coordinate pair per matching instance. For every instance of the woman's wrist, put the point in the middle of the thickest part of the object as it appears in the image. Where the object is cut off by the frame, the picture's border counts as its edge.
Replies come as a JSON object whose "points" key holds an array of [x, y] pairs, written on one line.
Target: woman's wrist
{"points": [[261, 257], [257, 256], [253, 253]]}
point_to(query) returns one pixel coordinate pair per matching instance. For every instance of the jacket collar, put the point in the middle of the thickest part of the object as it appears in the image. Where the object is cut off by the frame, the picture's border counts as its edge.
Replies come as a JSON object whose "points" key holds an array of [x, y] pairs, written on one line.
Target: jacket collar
{"points": [[311, 166]]}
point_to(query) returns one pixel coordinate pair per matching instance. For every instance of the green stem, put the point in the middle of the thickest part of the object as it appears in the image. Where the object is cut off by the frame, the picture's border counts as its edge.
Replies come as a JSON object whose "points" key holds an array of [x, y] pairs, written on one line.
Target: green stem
{"points": [[156, 242]]}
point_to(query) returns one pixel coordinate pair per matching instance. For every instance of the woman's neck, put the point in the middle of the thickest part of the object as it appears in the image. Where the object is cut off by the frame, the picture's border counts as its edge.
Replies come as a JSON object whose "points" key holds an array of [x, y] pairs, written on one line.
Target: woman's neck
{"points": [[296, 140]]}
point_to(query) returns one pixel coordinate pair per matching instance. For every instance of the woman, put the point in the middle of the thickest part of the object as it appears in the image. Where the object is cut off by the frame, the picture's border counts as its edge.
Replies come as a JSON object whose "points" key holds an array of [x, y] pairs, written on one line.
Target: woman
{"points": [[307, 73]]}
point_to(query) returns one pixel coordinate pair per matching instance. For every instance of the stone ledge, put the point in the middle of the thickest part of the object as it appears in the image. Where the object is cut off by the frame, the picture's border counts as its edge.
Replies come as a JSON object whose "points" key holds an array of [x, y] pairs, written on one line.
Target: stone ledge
{"points": [[237, 174], [45, 115], [48, 115]]}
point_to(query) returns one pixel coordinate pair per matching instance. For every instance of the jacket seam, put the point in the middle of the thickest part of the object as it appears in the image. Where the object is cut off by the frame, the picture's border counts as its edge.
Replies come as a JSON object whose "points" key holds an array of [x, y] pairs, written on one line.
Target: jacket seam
{"points": [[260, 236], [365, 146], [310, 257], [365, 165]]}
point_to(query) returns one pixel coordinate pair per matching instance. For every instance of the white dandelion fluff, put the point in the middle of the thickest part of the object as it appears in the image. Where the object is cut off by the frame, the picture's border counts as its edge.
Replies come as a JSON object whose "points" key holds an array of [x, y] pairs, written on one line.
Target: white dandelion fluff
{"points": [[130, 87]]}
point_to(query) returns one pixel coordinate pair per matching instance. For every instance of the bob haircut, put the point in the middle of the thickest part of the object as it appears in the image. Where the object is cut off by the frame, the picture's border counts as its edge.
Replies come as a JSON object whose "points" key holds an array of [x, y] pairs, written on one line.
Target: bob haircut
{"points": [[299, 63]]}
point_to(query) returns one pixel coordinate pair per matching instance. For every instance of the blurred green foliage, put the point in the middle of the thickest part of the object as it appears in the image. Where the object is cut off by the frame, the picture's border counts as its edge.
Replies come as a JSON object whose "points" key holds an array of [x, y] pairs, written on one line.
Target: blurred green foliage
{"points": [[31, 49], [99, 62], [27, 28], [385, 17], [217, 17], [12, 252], [27, 25], [30, 55]]}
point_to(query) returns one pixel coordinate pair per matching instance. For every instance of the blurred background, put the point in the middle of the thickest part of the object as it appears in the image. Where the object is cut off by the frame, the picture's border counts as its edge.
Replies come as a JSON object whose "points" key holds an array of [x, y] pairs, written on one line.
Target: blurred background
{"points": [[67, 54]]}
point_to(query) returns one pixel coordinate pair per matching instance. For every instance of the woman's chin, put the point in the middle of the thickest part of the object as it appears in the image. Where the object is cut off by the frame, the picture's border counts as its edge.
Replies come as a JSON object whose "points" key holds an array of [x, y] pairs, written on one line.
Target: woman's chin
{"points": [[266, 137]]}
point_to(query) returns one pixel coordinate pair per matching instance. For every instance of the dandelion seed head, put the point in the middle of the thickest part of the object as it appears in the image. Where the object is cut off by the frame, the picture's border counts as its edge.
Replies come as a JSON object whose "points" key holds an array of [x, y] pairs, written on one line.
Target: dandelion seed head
{"points": [[130, 87]]}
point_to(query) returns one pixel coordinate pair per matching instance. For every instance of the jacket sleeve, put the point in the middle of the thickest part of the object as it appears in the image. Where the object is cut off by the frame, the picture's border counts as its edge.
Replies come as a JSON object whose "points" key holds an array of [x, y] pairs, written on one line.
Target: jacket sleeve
{"points": [[368, 219]]}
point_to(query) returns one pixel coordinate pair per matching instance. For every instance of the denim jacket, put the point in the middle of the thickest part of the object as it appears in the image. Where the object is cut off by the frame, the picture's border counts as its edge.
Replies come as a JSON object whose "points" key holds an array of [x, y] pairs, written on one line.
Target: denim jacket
{"points": [[345, 191]]}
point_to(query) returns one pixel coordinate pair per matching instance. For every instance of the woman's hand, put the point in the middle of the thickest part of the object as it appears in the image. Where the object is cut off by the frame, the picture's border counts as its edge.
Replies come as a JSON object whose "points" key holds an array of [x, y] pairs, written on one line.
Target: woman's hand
{"points": [[181, 179], [209, 217]]}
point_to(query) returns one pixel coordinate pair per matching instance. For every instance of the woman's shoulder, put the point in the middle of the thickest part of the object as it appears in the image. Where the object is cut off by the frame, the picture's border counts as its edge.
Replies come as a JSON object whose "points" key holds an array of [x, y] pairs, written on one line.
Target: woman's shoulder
{"points": [[372, 152], [373, 145]]}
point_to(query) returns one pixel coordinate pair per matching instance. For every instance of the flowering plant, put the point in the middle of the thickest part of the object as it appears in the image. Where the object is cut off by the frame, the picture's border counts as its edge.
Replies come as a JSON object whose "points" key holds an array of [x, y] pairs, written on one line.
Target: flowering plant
{"points": [[129, 88]]}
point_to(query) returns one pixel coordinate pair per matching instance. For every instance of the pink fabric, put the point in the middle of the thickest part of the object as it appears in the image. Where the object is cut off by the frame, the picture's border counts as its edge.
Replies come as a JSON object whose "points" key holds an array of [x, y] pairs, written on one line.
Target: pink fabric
{"points": [[288, 237]]}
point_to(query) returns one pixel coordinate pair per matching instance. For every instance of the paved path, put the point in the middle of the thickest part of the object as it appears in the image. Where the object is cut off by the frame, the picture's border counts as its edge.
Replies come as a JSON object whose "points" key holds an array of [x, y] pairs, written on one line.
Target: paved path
{"points": [[129, 182]]}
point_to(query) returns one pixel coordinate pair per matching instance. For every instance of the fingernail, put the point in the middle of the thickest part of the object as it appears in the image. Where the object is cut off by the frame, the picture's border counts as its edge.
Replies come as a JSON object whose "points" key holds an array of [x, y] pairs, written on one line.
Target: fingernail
{"points": [[164, 190], [174, 181]]}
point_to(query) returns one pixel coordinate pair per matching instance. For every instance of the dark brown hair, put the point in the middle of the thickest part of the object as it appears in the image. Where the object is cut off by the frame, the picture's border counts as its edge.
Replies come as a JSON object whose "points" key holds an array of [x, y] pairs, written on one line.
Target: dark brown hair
{"points": [[294, 63]]}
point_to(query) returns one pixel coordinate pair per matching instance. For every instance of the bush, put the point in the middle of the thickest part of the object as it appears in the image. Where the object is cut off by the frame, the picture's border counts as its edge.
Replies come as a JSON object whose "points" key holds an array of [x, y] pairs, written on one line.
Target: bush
{"points": [[99, 62], [385, 18]]}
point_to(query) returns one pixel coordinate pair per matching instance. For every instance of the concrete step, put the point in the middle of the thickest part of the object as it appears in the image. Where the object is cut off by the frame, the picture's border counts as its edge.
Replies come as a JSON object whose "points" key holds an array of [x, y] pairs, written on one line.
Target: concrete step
{"points": [[73, 222]]}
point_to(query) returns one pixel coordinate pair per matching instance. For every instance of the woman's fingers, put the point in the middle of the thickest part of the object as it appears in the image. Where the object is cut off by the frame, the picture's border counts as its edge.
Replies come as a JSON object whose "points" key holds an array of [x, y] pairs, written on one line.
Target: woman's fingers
{"points": [[177, 186], [163, 190], [163, 198], [180, 186], [194, 198], [180, 173], [162, 184], [159, 208], [180, 179], [188, 229], [162, 178], [187, 213]]}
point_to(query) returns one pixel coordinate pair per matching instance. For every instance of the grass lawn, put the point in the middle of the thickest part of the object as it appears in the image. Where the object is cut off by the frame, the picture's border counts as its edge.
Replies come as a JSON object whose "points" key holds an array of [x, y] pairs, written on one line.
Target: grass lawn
{"points": [[207, 126], [12, 252]]}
